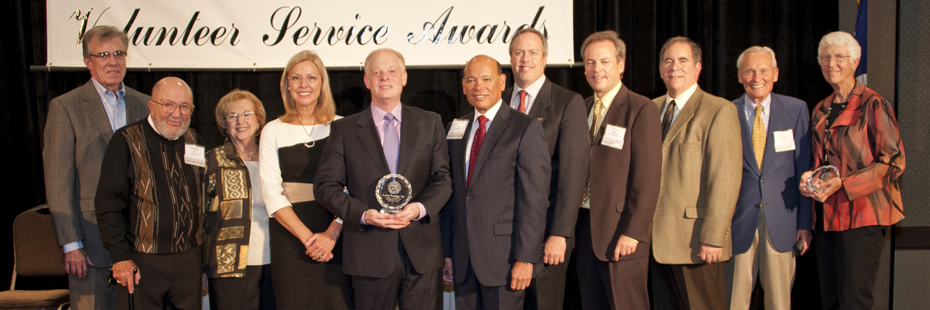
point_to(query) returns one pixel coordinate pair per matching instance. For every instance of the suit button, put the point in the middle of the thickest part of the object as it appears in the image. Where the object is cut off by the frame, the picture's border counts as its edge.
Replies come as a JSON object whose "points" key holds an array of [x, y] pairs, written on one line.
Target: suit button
{"points": [[468, 198], [761, 180]]}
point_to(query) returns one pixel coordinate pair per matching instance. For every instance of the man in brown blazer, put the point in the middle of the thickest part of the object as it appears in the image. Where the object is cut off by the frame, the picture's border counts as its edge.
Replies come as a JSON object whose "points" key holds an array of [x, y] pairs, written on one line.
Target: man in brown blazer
{"points": [[701, 170], [623, 184], [80, 124]]}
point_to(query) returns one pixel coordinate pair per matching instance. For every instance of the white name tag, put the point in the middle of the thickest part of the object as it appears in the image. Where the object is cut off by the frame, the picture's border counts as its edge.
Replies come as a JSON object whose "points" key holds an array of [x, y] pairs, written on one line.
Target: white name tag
{"points": [[194, 155], [457, 130], [613, 137], [784, 140]]}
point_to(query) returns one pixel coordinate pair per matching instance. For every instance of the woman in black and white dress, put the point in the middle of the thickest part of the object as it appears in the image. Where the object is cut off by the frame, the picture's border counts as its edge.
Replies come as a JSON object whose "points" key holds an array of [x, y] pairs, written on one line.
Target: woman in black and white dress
{"points": [[306, 248]]}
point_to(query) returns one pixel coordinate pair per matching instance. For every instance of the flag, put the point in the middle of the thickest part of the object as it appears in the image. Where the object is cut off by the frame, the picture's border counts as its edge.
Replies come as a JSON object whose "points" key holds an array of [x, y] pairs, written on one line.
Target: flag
{"points": [[862, 35]]}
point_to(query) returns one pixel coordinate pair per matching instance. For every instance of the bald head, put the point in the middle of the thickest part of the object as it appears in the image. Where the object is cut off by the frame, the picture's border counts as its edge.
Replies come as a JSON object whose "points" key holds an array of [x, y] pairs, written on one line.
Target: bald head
{"points": [[171, 107], [483, 82]]}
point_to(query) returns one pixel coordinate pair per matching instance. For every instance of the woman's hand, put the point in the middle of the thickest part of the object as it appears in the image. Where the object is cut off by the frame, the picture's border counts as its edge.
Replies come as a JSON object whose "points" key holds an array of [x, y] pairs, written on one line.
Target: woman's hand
{"points": [[803, 185], [827, 188]]}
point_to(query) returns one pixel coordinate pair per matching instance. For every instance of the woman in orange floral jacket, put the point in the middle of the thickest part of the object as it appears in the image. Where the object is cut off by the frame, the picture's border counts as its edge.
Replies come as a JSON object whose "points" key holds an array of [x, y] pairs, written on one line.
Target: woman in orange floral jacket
{"points": [[856, 131]]}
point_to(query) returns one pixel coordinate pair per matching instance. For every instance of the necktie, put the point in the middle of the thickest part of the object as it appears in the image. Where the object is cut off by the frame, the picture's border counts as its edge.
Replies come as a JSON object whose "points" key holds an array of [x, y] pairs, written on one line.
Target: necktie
{"points": [[476, 147], [522, 106], [667, 119], [391, 143], [758, 136], [597, 114]]}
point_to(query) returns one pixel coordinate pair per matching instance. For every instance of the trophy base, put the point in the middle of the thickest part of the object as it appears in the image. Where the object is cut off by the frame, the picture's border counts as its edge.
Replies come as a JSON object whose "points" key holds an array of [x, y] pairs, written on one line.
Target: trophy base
{"points": [[390, 210]]}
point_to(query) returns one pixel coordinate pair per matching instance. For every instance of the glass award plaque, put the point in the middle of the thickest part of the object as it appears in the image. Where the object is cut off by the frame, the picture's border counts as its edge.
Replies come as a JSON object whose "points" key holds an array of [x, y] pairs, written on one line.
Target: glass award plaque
{"points": [[393, 193], [822, 173]]}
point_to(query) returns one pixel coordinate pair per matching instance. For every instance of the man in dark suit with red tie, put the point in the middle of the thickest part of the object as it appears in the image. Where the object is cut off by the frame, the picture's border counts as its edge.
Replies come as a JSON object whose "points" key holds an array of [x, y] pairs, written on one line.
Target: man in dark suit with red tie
{"points": [[615, 221], [561, 112], [392, 258], [493, 226]]}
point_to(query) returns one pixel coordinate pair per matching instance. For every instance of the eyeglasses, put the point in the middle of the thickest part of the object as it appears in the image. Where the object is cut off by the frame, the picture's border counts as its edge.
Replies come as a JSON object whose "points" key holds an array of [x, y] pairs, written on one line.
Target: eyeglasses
{"points": [[170, 107], [838, 58], [106, 55], [247, 115]]}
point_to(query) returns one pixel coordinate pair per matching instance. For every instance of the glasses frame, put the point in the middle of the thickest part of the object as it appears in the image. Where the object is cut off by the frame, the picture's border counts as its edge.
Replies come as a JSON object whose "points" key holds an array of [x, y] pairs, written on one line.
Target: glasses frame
{"points": [[826, 58], [164, 107], [107, 55], [247, 115]]}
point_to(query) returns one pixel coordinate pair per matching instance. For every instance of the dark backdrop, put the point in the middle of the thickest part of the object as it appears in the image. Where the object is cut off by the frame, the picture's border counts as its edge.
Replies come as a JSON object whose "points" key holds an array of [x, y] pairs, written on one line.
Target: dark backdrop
{"points": [[723, 28]]}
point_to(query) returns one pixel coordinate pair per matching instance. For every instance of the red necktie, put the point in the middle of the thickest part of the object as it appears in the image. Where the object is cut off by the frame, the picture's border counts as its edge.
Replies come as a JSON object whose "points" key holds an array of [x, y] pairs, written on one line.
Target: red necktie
{"points": [[476, 147], [522, 106]]}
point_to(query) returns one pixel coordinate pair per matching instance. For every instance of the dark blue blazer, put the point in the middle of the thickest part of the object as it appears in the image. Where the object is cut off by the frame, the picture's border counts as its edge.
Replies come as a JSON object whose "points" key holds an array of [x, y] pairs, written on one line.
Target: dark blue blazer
{"points": [[776, 186]]}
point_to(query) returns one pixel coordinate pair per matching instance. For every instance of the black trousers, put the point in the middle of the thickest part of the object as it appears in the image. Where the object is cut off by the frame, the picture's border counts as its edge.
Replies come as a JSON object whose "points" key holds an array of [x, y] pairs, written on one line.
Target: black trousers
{"points": [[168, 281], [847, 262], [689, 287], [547, 289], [405, 287], [472, 295], [251, 292]]}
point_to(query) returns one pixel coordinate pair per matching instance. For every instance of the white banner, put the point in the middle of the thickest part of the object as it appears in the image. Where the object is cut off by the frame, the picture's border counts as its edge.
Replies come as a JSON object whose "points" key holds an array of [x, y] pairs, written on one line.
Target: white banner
{"points": [[265, 34]]}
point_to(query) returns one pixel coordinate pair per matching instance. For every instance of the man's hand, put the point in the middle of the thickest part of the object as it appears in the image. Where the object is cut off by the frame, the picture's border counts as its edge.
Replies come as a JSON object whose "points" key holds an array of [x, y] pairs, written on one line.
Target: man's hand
{"points": [[710, 253], [805, 236], [520, 275], [447, 272], [76, 263], [625, 246], [123, 273], [554, 251], [385, 220], [410, 212], [827, 188]]}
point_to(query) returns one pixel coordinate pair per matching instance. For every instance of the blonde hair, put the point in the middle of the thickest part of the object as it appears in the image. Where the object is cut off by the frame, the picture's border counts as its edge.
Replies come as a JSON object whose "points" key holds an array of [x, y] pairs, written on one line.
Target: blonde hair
{"points": [[325, 110], [234, 96]]}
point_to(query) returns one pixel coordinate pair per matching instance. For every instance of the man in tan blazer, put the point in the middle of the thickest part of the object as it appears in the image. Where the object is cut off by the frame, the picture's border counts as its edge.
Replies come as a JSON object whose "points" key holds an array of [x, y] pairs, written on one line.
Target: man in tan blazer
{"points": [[619, 203], [701, 169]]}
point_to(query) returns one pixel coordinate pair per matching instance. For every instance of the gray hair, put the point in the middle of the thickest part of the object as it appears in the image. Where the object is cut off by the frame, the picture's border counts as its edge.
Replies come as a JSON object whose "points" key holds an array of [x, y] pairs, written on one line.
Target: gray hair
{"points": [[545, 43], [841, 39], [756, 49], [400, 58], [695, 49], [102, 34]]}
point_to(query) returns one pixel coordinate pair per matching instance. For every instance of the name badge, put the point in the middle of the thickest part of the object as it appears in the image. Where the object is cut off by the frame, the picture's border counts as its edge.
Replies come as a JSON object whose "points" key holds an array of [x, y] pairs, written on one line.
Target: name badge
{"points": [[613, 137], [194, 155], [784, 140], [457, 130]]}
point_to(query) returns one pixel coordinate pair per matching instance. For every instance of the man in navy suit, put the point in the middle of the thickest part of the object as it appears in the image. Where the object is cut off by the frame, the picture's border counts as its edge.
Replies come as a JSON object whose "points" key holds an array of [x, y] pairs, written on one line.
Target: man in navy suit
{"points": [[771, 215], [493, 226], [561, 112]]}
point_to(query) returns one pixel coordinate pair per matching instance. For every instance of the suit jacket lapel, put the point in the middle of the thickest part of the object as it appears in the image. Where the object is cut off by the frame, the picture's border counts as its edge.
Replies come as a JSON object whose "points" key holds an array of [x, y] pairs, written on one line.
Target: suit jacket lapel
{"points": [[777, 119], [94, 108], [613, 113], [748, 154], [136, 108], [542, 102], [409, 130], [458, 150], [368, 135], [684, 116], [490, 137]]}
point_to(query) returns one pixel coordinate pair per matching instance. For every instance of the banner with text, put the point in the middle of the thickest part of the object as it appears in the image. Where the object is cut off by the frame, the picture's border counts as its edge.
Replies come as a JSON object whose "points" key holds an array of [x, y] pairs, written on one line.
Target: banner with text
{"points": [[265, 34]]}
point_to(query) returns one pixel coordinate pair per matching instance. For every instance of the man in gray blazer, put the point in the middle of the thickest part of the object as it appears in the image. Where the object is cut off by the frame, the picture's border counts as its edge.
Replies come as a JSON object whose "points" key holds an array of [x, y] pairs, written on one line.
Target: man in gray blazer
{"points": [[80, 124], [493, 226], [771, 214], [392, 258], [561, 112]]}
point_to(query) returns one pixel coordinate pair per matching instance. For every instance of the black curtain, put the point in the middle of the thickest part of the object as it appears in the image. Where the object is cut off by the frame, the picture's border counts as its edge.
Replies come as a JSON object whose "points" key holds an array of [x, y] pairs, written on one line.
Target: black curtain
{"points": [[723, 28]]}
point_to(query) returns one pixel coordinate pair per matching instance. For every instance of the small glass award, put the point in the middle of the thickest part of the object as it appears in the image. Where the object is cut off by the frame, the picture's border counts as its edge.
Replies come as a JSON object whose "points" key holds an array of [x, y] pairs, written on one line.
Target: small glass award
{"points": [[822, 173], [393, 193]]}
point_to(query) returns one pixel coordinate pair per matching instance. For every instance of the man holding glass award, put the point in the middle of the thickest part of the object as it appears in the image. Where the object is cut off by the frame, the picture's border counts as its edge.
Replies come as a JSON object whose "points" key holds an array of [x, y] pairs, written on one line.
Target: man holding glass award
{"points": [[385, 171]]}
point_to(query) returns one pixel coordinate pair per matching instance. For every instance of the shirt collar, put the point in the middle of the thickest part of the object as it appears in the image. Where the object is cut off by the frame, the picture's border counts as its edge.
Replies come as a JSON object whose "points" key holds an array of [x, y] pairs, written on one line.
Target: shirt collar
{"points": [[609, 96], [532, 89], [751, 105], [682, 98], [102, 90], [378, 114], [490, 113]]}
